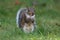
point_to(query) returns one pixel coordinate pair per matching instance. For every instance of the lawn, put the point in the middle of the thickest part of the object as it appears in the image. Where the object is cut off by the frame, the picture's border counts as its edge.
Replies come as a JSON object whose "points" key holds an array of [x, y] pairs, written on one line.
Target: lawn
{"points": [[47, 18]]}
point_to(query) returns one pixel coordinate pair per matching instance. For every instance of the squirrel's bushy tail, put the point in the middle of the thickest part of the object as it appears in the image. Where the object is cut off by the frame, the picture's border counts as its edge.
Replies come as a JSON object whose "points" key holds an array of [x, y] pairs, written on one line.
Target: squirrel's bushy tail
{"points": [[19, 16]]}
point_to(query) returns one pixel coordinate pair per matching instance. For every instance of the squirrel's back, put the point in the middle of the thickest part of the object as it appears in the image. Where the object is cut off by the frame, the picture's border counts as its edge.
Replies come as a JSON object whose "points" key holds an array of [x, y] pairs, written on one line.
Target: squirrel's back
{"points": [[19, 16]]}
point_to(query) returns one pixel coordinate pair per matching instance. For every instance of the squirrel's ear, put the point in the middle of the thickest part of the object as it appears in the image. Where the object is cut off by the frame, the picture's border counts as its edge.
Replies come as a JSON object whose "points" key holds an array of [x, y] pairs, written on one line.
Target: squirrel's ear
{"points": [[27, 8], [33, 8]]}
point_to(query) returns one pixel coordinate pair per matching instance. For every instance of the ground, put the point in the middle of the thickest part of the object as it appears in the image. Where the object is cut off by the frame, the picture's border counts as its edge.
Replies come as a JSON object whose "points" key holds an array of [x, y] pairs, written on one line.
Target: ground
{"points": [[47, 18]]}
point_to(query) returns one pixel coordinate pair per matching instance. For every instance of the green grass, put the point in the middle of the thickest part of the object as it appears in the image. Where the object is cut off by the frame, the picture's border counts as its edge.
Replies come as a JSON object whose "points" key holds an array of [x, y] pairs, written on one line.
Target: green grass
{"points": [[47, 19]]}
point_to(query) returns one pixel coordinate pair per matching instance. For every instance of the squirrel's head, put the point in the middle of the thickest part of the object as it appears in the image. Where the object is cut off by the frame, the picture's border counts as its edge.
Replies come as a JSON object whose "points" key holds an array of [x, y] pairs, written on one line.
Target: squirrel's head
{"points": [[31, 11], [30, 15]]}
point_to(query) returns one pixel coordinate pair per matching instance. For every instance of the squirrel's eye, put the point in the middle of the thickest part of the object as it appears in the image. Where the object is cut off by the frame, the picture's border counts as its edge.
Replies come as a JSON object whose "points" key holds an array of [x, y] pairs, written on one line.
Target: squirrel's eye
{"points": [[32, 13]]}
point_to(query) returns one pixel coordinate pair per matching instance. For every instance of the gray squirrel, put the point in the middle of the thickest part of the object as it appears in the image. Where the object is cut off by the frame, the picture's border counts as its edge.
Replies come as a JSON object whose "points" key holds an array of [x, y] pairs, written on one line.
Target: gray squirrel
{"points": [[25, 19]]}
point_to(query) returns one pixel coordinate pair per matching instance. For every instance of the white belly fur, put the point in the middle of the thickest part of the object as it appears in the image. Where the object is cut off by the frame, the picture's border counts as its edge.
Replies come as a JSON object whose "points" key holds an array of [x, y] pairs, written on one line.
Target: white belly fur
{"points": [[28, 29]]}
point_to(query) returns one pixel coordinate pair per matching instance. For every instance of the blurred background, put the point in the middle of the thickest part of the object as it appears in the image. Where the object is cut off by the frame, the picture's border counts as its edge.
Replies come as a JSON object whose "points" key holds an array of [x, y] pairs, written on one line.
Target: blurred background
{"points": [[47, 18]]}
